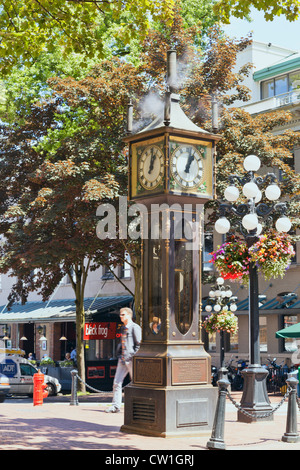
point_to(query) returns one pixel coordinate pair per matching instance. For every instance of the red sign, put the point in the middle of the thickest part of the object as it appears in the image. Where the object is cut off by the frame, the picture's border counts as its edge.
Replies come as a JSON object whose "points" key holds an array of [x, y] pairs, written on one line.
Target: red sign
{"points": [[105, 330]]}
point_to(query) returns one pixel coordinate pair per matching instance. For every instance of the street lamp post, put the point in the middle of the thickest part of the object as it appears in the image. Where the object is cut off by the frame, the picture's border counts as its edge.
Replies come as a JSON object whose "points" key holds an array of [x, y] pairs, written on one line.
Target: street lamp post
{"points": [[221, 299], [255, 399]]}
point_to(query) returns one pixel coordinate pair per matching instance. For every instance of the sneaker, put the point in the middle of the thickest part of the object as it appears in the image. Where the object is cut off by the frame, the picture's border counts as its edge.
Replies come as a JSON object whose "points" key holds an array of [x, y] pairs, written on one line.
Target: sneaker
{"points": [[112, 409]]}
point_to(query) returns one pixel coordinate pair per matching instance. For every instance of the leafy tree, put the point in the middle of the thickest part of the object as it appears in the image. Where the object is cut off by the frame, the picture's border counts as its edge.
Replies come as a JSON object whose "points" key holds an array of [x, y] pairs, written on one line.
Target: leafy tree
{"points": [[244, 135], [31, 27], [224, 9], [56, 169]]}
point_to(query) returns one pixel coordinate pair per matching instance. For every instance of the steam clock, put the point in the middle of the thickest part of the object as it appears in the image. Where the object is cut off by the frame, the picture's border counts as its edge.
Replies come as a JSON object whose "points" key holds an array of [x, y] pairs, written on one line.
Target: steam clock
{"points": [[171, 176]]}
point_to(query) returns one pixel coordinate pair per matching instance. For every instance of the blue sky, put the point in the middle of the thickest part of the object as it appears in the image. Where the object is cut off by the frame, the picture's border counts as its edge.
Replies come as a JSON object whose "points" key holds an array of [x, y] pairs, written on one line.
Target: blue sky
{"points": [[279, 32]]}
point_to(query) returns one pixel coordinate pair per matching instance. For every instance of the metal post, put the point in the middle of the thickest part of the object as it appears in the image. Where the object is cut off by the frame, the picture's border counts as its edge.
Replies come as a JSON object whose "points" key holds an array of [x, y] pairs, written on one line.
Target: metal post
{"points": [[217, 436], [255, 398], [254, 315], [291, 435], [74, 398], [223, 372]]}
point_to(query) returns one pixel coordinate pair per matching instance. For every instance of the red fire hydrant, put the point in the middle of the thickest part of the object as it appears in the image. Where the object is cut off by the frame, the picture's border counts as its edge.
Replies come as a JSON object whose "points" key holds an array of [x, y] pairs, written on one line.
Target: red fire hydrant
{"points": [[39, 392]]}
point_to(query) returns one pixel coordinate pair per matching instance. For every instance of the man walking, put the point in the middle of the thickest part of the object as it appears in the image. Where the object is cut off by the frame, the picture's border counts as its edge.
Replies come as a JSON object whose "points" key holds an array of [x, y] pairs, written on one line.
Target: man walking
{"points": [[130, 342]]}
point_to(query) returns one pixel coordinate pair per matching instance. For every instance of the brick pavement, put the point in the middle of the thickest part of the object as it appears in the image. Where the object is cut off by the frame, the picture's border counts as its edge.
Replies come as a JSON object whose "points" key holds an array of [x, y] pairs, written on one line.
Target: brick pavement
{"points": [[56, 425]]}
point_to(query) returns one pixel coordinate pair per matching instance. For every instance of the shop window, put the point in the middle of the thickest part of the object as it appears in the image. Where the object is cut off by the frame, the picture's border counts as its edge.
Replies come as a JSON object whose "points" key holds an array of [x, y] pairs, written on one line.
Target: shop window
{"points": [[263, 334], [209, 340], [233, 341], [289, 344], [101, 349]]}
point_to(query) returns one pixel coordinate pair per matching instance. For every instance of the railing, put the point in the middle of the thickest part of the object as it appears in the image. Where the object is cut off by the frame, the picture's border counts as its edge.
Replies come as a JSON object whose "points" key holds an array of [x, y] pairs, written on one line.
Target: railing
{"points": [[285, 99]]}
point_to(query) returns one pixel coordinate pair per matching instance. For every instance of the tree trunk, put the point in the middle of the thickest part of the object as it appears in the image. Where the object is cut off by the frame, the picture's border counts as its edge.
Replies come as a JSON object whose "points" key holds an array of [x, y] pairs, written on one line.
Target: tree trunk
{"points": [[80, 320], [81, 273]]}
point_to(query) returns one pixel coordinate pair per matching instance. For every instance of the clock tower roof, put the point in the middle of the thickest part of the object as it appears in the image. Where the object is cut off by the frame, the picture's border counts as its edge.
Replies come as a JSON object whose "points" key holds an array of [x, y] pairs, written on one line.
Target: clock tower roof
{"points": [[177, 119]]}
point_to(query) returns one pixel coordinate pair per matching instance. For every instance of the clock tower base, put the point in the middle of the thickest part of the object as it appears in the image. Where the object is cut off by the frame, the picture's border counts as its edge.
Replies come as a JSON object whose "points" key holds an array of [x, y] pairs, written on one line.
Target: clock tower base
{"points": [[169, 411], [171, 394]]}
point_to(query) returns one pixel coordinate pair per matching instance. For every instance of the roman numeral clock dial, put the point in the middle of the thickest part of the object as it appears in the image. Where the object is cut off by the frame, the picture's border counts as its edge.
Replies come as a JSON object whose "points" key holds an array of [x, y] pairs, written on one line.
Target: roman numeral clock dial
{"points": [[151, 167], [187, 166]]}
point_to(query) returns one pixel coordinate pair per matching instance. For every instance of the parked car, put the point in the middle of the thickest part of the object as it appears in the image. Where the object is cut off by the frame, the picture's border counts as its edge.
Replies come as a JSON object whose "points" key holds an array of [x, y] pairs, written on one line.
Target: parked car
{"points": [[20, 372], [4, 387]]}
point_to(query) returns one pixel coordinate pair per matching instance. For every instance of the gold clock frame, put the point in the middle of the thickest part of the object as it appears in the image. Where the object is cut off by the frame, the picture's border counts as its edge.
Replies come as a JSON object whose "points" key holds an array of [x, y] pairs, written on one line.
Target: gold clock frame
{"points": [[204, 191]]}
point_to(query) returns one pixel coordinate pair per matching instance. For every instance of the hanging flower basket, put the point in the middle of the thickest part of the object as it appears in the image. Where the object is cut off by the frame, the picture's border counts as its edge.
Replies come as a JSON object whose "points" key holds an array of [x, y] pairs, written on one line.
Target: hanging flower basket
{"points": [[232, 260], [272, 254], [222, 321]]}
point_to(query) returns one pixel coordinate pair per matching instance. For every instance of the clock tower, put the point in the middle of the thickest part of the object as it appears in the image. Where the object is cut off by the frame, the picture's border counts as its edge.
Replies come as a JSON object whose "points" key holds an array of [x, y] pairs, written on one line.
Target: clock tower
{"points": [[171, 172]]}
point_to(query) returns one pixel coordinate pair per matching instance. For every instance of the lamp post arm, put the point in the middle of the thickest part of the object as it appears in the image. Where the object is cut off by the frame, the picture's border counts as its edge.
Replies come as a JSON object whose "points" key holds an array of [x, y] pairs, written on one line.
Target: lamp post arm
{"points": [[260, 181], [241, 179]]}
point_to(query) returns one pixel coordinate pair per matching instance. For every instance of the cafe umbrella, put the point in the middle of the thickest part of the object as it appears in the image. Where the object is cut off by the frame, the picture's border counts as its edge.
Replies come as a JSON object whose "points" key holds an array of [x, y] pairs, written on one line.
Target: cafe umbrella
{"points": [[292, 331]]}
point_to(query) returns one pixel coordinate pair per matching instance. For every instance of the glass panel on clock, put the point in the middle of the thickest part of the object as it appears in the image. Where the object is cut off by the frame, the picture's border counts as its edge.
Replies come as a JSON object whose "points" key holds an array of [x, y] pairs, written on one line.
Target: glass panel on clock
{"points": [[155, 278], [183, 302]]}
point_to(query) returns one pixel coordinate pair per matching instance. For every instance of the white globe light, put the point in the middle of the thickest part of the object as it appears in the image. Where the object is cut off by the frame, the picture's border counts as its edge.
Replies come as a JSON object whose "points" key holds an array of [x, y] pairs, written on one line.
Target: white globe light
{"points": [[283, 224], [252, 163], [250, 190], [217, 308], [220, 281], [258, 197], [273, 192], [231, 193], [233, 307], [250, 221], [222, 225], [259, 229], [228, 293], [218, 293], [208, 308], [212, 293]]}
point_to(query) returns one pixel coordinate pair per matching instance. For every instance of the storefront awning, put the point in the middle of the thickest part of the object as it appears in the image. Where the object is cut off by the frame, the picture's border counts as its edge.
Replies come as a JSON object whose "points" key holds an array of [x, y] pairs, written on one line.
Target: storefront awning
{"points": [[59, 310]]}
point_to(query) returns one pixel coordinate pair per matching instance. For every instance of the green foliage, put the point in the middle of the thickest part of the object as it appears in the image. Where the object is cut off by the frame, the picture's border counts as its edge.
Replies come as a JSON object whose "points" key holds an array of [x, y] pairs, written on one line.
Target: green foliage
{"points": [[224, 9], [31, 27]]}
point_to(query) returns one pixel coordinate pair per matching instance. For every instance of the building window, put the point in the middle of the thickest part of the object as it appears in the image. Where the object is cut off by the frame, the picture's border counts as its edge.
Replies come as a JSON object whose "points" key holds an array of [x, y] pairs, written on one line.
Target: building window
{"points": [[280, 85], [267, 89], [125, 268], [294, 81]]}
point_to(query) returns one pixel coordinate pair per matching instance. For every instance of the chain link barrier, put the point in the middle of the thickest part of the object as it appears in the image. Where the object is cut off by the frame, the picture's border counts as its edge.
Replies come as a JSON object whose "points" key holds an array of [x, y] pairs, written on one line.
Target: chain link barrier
{"points": [[90, 387], [262, 415], [237, 405]]}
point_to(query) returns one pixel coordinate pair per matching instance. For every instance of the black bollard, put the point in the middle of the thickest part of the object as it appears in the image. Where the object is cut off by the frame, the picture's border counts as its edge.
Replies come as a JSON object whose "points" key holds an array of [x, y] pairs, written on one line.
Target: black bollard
{"points": [[217, 436], [74, 398], [291, 435]]}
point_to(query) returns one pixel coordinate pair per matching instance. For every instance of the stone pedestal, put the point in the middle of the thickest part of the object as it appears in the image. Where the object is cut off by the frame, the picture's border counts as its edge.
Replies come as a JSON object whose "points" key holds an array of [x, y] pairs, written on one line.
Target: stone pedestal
{"points": [[171, 395]]}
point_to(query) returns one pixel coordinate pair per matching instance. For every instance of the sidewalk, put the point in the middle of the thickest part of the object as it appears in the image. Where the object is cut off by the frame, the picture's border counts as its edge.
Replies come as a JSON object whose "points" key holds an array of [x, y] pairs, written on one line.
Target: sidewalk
{"points": [[56, 425]]}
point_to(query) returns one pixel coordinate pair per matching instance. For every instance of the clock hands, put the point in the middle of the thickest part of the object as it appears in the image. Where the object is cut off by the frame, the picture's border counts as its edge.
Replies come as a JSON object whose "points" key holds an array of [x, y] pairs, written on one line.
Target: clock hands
{"points": [[153, 157], [190, 160]]}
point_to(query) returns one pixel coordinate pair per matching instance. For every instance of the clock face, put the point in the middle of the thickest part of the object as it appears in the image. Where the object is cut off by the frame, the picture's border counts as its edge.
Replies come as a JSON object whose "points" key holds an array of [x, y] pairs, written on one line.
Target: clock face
{"points": [[151, 167], [187, 166]]}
